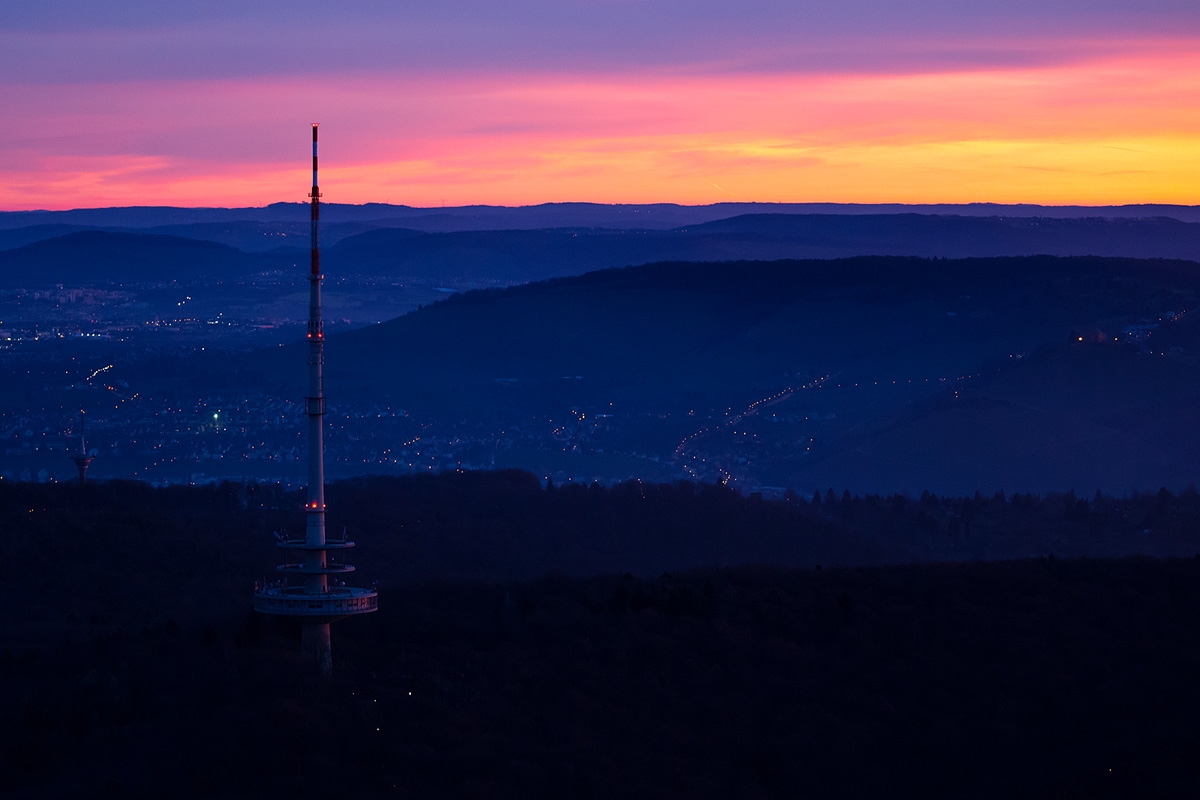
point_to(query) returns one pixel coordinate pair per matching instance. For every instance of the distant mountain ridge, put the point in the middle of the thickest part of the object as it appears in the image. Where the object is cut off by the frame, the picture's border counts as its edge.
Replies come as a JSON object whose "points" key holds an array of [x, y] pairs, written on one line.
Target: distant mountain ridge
{"points": [[656, 216], [501, 257], [958, 236]]}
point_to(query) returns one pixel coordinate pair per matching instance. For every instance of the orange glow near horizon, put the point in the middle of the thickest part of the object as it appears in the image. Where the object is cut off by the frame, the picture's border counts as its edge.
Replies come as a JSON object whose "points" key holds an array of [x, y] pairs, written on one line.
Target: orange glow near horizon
{"points": [[1121, 130]]}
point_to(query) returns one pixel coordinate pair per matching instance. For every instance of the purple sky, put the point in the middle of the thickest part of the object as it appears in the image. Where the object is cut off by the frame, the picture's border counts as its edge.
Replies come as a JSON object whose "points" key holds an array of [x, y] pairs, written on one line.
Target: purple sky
{"points": [[158, 95]]}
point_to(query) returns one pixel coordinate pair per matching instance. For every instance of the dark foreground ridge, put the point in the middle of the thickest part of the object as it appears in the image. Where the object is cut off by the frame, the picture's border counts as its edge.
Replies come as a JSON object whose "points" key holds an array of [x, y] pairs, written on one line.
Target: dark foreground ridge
{"points": [[137, 671]]}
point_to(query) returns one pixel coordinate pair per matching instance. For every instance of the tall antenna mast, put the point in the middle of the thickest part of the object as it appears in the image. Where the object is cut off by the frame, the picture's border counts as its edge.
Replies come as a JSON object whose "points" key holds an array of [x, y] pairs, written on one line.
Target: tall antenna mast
{"points": [[311, 597], [314, 402]]}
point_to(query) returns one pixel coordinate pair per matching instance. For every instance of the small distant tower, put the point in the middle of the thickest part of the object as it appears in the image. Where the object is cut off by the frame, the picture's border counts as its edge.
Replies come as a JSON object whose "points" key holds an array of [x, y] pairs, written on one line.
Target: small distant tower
{"points": [[82, 459], [305, 589]]}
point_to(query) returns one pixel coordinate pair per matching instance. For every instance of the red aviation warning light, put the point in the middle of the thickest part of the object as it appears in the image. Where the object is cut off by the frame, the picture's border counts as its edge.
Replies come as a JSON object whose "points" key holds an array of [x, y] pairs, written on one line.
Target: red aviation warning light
{"points": [[311, 596]]}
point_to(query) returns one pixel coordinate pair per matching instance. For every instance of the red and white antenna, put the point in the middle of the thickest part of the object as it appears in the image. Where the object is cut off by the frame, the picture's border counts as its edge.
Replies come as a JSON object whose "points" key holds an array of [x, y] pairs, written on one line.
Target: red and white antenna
{"points": [[304, 590]]}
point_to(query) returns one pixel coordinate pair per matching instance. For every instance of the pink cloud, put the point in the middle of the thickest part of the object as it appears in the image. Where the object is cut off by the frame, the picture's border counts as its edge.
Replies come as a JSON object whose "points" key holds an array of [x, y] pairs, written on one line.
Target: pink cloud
{"points": [[527, 137]]}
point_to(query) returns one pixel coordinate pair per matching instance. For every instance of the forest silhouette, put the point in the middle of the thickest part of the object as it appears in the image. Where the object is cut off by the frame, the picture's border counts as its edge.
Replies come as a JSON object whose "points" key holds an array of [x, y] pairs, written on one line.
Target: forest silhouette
{"points": [[539, 641]]}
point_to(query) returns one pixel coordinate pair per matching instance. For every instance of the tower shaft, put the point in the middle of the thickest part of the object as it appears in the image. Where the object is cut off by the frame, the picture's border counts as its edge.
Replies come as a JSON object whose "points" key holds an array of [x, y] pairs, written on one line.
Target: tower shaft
{"points": [[82, 459], [306, 591], [315, 400], [314, 638]]}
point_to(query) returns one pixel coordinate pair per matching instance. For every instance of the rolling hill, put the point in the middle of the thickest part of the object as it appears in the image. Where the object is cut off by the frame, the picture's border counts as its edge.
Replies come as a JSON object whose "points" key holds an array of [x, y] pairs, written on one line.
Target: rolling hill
{"points": [[879, 374], [514, 256], [465, 258], [101, 257]]}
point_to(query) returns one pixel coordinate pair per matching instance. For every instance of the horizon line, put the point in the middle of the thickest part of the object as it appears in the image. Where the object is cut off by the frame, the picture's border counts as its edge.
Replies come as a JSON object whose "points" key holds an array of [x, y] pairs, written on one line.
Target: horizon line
{"points": [[666, 203]]}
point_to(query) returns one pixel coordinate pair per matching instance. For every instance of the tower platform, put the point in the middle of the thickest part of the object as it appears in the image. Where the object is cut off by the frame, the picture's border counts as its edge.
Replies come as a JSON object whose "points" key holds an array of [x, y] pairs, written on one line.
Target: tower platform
{"points": [[329, 603], [332, 604]]}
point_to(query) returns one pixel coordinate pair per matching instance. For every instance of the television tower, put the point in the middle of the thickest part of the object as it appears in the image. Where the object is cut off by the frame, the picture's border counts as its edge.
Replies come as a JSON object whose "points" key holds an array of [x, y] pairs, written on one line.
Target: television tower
{"points": [[82, 459], [305, 589]]}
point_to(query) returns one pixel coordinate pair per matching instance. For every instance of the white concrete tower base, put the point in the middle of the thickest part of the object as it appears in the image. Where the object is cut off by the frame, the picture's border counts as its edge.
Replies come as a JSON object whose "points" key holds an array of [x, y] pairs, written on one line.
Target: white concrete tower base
{"points": [[314, 643]]}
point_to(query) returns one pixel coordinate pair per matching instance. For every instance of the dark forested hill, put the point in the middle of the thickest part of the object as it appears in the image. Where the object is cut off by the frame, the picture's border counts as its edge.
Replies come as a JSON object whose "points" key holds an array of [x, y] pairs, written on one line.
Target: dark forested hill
{"points": [[135, 667], [101, 257], [957, 236], [12, 238], [693, 326], [1028, 374], [508, 256]]}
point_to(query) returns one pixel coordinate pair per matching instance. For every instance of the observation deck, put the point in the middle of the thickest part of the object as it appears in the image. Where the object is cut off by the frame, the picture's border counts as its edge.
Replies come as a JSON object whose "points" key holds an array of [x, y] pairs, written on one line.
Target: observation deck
{"points": [[304, 569], [335, 603], [301, 544]]}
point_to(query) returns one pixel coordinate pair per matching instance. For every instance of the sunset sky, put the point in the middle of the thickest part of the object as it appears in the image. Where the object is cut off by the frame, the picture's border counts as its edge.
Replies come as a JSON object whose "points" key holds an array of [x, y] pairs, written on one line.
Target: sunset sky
{"points": [[139, 102]]}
